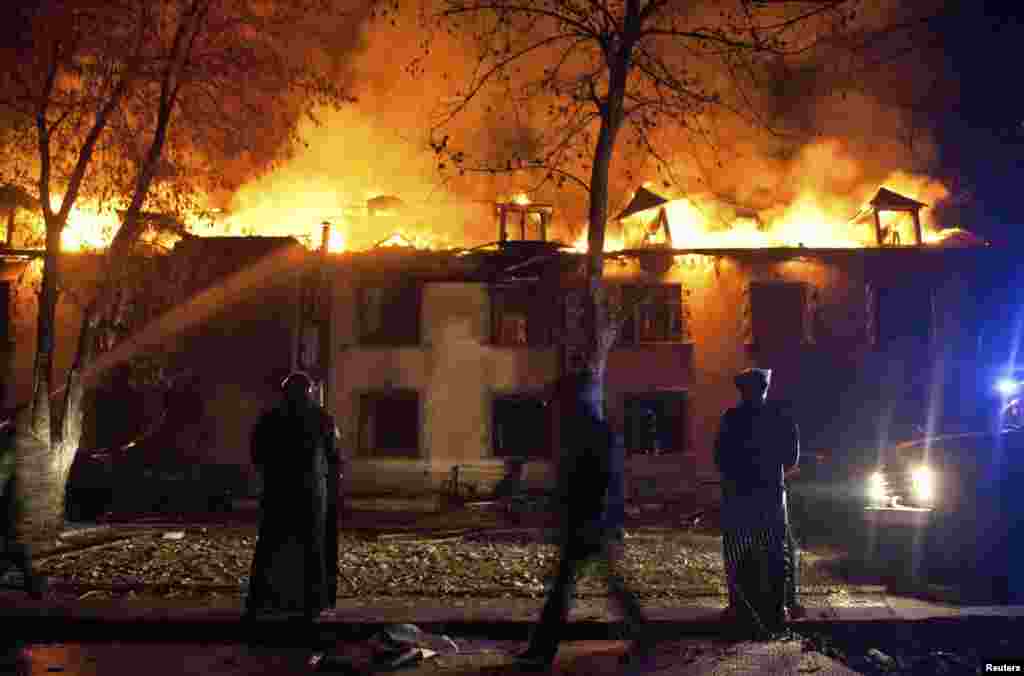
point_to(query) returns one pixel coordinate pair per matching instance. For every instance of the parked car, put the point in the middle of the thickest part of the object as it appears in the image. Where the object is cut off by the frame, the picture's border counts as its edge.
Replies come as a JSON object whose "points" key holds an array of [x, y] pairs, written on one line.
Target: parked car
{"points": [[958, 498], [98, 484]]}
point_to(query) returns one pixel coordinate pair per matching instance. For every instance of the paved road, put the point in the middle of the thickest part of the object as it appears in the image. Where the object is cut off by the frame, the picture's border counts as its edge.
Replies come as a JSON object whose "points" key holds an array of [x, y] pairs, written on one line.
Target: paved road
{"points": [[684, 657]]}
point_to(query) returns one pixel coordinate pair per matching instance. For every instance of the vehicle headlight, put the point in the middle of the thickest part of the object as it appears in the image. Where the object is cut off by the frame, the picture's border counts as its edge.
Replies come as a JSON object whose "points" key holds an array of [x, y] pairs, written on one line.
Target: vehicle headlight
{"points": [[877, 491], [922, 480], [1008, 387]]}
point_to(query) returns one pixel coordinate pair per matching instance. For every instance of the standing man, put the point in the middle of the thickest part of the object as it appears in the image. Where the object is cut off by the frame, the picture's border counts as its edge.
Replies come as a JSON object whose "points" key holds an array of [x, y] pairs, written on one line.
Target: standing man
{"points": [[757, 443], [293, 447], [587, 497]]}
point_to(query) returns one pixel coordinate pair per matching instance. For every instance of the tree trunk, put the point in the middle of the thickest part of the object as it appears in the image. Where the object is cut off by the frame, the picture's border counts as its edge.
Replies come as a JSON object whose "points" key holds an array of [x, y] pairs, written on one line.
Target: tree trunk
{"points": [[74, 393], [600, 330], [39, 489], [40, 478], [595, 317], [598, 325]]}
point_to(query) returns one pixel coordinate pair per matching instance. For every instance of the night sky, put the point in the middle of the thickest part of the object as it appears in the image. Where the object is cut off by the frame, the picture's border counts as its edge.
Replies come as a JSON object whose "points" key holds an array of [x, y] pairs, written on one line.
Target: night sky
{"points": [[981, 133]]}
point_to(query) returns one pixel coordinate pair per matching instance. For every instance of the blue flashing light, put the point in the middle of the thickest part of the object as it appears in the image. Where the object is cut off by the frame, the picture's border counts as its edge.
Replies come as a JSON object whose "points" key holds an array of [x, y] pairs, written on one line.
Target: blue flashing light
{"points": [[1008, 387]]}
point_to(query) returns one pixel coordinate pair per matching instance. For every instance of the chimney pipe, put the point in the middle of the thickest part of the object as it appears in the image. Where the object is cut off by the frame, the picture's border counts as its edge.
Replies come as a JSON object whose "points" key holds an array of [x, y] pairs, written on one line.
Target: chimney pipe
{"points": [[325, 237]]}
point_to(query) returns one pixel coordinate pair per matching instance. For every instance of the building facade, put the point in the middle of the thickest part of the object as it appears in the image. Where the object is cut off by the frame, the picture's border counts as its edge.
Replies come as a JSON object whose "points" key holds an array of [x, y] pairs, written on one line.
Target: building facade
{"points": [[432, 360], [436, 362]]}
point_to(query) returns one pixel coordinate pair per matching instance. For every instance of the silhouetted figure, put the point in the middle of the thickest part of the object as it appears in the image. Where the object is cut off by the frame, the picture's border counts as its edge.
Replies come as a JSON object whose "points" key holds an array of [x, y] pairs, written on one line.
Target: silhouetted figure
{"points": [[295, 565], [591, 517], [14, 552], [757, 443]]}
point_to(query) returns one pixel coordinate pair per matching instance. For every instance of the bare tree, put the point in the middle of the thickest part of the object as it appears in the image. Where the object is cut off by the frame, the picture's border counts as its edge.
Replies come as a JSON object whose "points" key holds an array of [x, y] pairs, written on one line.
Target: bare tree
{"points": [[90, 91], [583, 79]]}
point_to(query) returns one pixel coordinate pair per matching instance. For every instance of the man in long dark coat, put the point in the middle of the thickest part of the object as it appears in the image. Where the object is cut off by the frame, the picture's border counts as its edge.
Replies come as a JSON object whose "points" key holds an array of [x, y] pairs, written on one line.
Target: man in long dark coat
{"points": [[589, 495], [295, 565], [757, 443]]}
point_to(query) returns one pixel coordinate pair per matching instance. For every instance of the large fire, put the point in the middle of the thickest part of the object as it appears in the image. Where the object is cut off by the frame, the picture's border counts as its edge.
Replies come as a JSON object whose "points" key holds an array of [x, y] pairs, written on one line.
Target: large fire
{"points": [[290, 202], [814, 220]]}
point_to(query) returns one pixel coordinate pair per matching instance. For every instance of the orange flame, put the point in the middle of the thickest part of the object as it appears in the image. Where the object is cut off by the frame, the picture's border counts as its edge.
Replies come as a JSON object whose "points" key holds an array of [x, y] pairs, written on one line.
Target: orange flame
{"points": [[813, 220]]}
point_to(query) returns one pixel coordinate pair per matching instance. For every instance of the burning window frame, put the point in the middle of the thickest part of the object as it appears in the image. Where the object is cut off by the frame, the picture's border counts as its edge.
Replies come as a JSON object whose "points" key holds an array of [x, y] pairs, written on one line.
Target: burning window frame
{"points": [[526, 303], [638, 300]]}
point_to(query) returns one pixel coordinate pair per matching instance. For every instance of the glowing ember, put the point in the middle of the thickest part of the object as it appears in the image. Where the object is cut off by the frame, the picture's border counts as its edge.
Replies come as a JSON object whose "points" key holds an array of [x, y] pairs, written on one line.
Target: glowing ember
{"points": [[521, 198]]}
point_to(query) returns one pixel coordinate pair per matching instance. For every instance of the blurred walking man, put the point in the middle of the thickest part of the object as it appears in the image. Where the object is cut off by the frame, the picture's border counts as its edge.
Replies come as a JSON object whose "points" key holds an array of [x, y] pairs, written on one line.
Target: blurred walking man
{"points": [[757, 443], [589, 494], [295, 565]]}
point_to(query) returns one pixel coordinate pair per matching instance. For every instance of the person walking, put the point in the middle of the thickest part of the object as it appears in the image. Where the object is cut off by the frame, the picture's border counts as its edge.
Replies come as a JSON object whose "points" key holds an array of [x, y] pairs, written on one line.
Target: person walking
{"points": [[587, 499], [296, 557], [756, 444]]}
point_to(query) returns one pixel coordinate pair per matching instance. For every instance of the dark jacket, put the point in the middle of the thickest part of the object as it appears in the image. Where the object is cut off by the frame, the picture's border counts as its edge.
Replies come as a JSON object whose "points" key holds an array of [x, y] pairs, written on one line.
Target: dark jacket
{"points": [[754, 449], [590, 490]]}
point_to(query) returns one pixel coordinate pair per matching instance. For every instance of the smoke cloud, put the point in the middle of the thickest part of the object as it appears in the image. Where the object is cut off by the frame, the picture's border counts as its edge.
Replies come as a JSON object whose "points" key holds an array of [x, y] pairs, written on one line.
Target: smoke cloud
{"points": [[828, 137]]}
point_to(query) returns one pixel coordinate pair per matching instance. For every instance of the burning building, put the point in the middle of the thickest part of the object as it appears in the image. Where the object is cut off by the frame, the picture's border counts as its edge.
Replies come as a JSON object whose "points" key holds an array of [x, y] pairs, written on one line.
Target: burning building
{"points": [[436, 358], [433, 359]]}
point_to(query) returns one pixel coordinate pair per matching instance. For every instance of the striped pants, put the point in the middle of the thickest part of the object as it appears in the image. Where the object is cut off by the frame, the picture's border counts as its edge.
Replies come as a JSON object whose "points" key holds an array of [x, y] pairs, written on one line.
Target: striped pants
{"points": [[756, 574]]}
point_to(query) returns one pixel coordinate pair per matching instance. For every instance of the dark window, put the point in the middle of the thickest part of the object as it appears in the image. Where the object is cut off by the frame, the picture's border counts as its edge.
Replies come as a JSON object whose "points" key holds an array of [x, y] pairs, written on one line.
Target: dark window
{"points": [[389, 424], [521, 315], [521, 427], [652, 314], [656, 423], [777, 313], [5, 314], [903, 312], [390, 314]]}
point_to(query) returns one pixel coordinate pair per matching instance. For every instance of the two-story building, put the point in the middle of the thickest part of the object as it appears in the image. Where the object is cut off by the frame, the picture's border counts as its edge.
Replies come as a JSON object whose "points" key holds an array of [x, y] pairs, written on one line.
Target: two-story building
{"points": [[435, 359]]}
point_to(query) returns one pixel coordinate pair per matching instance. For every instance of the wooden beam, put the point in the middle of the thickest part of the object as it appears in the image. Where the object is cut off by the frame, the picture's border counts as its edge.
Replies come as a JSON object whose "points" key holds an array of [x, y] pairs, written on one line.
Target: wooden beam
{"points": [[23, 253], [878, 228]]}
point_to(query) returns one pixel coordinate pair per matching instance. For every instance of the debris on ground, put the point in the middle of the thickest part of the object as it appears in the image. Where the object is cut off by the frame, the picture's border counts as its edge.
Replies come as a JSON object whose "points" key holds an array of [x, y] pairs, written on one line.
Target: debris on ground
{"points": [[882, 661], [397, 646], [507, 564]]}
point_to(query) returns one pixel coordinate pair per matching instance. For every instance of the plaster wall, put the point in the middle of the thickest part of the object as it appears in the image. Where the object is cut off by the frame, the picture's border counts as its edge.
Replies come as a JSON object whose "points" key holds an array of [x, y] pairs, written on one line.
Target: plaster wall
{"points": [[455, 371], [836, 382]]}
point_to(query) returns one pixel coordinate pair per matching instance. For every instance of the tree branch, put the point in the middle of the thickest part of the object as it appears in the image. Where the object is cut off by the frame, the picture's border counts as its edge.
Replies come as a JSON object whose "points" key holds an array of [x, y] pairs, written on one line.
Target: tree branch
{"points": [[516, 8], [494, 70]]}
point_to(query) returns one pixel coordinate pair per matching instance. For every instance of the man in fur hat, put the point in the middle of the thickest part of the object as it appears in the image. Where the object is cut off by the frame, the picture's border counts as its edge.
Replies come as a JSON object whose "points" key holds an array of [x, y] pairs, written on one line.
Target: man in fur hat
{"points": [[757, 444]]}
